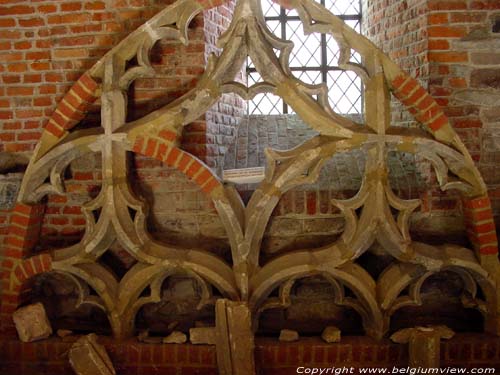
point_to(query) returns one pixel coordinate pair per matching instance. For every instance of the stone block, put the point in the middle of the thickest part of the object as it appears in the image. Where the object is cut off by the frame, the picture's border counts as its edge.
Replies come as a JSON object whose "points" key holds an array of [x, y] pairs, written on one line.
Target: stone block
{"points": [[206, 335], [486, 78], [175, 337], [331, 334], [288, 335], [88, 357], [32, 323], [9, 188]]}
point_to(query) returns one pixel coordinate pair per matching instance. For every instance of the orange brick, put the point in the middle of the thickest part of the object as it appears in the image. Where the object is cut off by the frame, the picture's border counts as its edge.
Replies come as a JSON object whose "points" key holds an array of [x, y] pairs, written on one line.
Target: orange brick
{"points": [[487, 238], [55, 129], [20, 274], [37, 262], [203, 177], [479, 215], [173, 155], [446, 31], [438, 44], [151, 147], [88, 82], [60, 120], [417, 95], [438, 18], [483, 228], [168, 135], [438, 123], [457, 82], [69, 112], [28, 268], [425, 103], [138, 145], [450, 57], [488, 250], [406, 90], [82, 92], [480, 202], [398, 81], [210, 185], [184, 161], [193, 168], [162, 151]]}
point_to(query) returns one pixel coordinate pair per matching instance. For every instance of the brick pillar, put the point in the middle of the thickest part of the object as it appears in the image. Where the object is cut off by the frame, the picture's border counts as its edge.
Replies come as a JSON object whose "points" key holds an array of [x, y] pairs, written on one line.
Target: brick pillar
{"points": [[24, 230]]}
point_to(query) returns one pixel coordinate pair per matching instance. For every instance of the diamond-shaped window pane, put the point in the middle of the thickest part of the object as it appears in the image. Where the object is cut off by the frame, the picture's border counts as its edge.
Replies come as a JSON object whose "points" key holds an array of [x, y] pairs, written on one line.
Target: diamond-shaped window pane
{"points": [[307, 48], [344, 92], [270, 8], [265, 104], [345, 87], [340, 7], [311, 77], [332, 51], [253, 78]]}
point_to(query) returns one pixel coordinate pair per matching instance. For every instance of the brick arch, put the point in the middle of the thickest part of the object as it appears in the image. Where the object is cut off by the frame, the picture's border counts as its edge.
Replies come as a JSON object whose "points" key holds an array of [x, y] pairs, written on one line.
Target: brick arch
{"points": [[73, 107], [477, 210], [164, 150], [16, 285], [23, 233]]}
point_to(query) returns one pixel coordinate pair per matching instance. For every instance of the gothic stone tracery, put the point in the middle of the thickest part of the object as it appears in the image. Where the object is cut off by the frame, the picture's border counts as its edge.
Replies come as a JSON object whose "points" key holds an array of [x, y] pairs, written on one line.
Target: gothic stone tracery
{"points": [[116, 214]]}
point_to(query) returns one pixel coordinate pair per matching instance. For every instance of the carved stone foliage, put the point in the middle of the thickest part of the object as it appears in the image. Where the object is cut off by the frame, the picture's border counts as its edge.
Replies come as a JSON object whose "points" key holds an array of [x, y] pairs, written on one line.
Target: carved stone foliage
{"points": [[374, 215]]}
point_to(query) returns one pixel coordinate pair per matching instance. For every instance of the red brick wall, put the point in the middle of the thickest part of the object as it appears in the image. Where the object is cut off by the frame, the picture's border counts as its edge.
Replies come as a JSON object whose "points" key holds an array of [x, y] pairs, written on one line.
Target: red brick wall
{"points": [[44, 48], [455, 42], [464, 61], [272, 357]]}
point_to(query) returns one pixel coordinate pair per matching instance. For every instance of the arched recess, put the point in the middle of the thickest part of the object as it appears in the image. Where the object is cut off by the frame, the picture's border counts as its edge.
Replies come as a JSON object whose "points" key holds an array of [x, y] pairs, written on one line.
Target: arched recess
{"points": [[368, 214]]}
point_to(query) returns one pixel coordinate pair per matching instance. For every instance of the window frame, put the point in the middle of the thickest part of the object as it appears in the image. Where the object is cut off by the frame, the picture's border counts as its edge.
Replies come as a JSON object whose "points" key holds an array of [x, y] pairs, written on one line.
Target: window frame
{"points": [[323, 68]]}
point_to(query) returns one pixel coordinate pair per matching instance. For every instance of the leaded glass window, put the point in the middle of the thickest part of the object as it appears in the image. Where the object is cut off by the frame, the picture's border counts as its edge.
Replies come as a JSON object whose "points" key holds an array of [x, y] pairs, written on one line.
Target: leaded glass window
{"points": [[314, 59]]}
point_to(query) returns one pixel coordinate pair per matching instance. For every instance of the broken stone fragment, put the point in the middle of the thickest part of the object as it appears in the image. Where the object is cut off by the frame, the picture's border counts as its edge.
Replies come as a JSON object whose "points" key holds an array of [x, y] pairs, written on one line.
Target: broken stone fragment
{"points": [[424, 344], [175, 337], [331, 334], [32, 323], [64, 332], [288, 335], [87, 357], [205, 335]]}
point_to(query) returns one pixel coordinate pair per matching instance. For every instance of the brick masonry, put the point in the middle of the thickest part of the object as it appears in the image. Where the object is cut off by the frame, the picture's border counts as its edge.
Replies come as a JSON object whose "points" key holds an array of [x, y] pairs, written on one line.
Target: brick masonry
{"points": [[450, 47], [272, 357], [45, 46]]}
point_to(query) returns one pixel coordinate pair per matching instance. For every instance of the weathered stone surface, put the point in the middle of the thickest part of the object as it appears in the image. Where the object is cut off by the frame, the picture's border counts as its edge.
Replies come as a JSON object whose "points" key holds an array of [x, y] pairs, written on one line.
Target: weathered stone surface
{"points": [[88, 357], [331, 334], [205, 335], [485, 58], [288, 335], [235, 340], [487, 78], [424, 344], [9, 188], [32, 323], [175, 337], [10, 161]]}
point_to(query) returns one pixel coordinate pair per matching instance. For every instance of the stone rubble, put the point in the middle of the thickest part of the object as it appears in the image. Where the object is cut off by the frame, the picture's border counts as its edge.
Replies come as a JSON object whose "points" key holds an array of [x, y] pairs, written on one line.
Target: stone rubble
{"points": [[88, 357], [32, 323], [206, 335], [175, 337], [288, 335], [331, 334]]}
